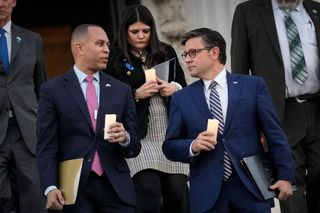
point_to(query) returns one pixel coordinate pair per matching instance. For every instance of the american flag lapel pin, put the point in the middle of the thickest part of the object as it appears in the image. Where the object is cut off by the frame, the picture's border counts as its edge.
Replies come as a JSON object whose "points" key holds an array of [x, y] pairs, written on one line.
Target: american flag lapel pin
{"points": [[18, 39]]}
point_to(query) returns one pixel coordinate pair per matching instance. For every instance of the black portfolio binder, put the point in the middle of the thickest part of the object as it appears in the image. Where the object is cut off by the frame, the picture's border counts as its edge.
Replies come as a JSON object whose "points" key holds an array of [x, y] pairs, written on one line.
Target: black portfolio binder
{"points": [[261, 172]]}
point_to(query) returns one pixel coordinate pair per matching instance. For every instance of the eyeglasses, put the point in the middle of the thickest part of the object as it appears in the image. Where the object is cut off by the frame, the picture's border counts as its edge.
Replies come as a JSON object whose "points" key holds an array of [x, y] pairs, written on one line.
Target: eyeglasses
{"points": [[193, 52]]}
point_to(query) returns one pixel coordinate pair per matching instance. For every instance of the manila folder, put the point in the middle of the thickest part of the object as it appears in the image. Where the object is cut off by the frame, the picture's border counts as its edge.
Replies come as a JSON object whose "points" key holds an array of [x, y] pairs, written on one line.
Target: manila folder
{"points": [[69, 177]]}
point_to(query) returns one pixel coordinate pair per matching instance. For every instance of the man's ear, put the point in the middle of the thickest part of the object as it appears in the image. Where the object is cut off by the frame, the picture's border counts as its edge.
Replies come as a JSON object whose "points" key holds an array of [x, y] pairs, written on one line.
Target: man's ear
{"points": [[215, 51], [79, 48]]}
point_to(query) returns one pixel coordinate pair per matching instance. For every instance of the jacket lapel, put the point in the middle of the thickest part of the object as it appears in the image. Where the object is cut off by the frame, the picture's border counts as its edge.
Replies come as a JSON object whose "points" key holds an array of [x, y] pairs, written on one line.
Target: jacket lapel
{"points": [[234, 91], [106, 93], [17, 40], [314, 14], [266, 14], [73, 86], [199, 99]]}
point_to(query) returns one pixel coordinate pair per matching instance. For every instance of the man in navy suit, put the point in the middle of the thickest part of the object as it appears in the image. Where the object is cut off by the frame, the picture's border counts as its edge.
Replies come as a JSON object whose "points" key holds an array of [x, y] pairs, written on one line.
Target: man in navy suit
{"points": [[68, 129], [247, 111]]}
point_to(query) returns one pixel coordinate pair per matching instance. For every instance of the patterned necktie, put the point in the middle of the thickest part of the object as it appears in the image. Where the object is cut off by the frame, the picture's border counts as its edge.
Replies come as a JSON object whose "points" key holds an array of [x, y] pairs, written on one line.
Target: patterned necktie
{"points": [[4, 51], [92, 103], [297, 60], [216, 111]]}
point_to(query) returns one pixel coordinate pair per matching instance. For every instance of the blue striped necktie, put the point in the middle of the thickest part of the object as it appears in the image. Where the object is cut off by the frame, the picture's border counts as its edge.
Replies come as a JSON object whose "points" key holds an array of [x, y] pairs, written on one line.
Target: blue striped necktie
{"points": [[216, 111], [297, 60], [4, 51]]}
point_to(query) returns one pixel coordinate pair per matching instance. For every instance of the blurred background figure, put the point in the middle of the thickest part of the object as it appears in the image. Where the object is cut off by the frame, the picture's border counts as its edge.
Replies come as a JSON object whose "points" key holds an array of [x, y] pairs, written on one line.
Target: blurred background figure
{"points": [[279, 40], [23, 71]]}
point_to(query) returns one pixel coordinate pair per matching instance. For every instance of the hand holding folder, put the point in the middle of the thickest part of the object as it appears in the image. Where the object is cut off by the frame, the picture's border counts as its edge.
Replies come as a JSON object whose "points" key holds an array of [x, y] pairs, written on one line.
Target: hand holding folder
{"points": [[261, 171], [69, 177]]}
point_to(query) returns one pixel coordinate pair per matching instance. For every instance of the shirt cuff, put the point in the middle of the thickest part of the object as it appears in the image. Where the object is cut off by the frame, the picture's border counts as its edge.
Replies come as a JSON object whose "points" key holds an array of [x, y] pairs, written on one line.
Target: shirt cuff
{"points": [[178, 86], [190, 151], [127, 141], [49, 189]]}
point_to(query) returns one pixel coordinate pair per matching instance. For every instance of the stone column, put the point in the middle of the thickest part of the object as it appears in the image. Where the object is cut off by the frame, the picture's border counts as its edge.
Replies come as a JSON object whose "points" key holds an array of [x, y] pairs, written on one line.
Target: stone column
{"points": [[171, 24]]}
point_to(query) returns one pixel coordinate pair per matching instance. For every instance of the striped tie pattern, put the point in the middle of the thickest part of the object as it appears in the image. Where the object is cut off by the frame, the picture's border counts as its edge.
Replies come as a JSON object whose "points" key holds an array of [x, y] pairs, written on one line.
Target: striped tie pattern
{"points": [[297, 60], [216, 111], [92, 103], [4, 57]]}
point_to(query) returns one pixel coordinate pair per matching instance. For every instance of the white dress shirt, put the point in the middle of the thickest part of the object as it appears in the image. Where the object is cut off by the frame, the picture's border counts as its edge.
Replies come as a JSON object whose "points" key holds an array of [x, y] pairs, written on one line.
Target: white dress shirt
{"points": [[307, 34]]}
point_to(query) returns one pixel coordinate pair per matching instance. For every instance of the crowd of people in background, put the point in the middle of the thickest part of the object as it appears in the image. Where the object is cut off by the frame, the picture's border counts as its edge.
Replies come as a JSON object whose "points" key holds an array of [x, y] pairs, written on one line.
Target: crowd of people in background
{"points": [[159, 156]]}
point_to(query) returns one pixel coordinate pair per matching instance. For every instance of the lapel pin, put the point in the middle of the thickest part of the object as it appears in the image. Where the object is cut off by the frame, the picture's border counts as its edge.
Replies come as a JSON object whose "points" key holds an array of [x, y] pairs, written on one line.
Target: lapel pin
{"points": [[108, 85], [18, 39], [235, 82], [314, 11]]}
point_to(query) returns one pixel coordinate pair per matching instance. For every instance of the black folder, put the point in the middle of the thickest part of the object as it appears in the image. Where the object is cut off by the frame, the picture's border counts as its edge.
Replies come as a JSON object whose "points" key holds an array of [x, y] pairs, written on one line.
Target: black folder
{"points": [[261, 172]]}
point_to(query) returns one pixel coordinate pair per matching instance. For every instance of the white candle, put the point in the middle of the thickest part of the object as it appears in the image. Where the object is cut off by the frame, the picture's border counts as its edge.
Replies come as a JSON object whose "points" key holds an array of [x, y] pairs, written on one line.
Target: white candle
{"points": [[150, 74], [213, 125], [109, 119]]}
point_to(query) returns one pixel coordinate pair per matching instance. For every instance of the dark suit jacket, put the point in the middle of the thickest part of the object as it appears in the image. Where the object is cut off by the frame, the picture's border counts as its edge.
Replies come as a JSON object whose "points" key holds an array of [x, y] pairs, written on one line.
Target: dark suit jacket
{"points": [[255, 45], [65, 131], [137, 78], [250, 111], [21, 85]]}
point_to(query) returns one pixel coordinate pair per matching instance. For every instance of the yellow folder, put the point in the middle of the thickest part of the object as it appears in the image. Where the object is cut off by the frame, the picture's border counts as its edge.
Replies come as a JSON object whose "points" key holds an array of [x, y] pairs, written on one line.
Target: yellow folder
{"points": [[69, 177]]}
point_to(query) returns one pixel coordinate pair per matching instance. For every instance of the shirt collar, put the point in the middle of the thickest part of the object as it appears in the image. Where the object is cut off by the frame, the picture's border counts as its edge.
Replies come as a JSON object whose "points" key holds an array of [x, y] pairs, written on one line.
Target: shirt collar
{"points": [[7, 27], [221, 79], [82, 76], [275, 6]]}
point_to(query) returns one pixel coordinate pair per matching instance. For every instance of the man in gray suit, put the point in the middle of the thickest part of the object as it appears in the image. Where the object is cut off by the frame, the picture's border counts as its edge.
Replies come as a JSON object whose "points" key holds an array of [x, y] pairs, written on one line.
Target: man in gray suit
{"points": [[23, 72], [260, 46]]}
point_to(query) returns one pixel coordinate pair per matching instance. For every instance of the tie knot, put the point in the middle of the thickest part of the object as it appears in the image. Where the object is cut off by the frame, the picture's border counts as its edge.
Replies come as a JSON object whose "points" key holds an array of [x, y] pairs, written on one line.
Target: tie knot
{"points": [[213, 84], [286, 11], [2, 31], [90, 78]]}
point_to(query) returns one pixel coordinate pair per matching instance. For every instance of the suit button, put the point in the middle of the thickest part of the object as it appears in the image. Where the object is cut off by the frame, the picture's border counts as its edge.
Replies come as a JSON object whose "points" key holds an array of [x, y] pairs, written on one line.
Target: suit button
{"points": [[223, 140], [7, 108], [89, 160]]}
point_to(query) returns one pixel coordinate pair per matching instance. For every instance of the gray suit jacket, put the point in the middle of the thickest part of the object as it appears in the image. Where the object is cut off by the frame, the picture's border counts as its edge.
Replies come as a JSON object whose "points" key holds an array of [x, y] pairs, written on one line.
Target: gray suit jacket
{"points": [[21, 85], [255, 45]]}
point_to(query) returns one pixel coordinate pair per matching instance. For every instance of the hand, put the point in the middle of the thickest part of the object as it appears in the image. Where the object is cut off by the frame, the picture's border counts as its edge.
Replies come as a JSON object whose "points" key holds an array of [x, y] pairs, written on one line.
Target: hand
{"points": [[116, 133], [55, 200], [166, 89], [146, 90], [205, 141], [284, 187]]}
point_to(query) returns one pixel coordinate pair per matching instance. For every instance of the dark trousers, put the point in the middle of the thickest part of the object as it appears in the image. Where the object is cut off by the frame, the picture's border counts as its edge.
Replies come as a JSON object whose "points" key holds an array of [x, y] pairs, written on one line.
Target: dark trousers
{"points": [[98, 196], [14, 150], [8, 205], [236, 198], [161, 192], [302, 126]]}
